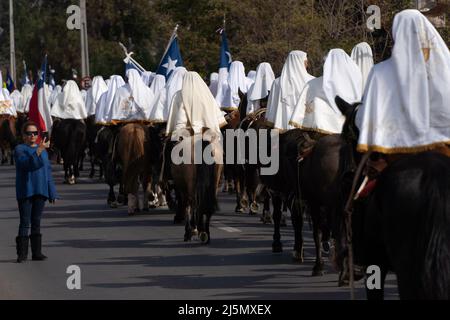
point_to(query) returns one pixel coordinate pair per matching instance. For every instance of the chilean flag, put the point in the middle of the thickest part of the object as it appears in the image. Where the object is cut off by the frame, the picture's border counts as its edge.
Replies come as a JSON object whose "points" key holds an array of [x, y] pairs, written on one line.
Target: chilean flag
{"points": [[39, 108]]}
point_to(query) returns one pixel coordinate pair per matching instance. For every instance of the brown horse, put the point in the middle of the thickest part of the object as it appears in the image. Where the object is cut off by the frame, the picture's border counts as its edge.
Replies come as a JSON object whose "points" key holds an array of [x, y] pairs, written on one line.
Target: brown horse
{"points": [[133, 154], [196, 188], [7, 137]]}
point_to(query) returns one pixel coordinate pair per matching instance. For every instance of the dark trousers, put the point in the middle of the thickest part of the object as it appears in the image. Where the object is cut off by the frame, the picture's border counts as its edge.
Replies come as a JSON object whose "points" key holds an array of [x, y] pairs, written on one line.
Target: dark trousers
{"points": [[30, 210]]}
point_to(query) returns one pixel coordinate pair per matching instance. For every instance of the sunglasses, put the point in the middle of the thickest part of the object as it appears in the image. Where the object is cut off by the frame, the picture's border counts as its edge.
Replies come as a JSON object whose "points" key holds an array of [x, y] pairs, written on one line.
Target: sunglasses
{"points": [[31, 133]]}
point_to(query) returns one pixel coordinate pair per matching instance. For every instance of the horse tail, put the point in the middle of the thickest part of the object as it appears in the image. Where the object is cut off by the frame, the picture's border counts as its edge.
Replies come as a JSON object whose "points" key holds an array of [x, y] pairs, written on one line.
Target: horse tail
{"points": [[434, 238], [131, 149], [206, 188]]}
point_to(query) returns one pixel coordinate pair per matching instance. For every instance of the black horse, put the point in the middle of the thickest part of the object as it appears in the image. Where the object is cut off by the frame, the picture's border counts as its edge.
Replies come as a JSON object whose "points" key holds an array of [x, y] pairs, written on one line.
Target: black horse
{"points": [[69, 136], [403, 225]]}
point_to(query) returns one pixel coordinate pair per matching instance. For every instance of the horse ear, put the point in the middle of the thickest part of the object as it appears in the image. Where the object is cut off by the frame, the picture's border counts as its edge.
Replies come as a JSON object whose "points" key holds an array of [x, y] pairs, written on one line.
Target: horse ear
{"points": [[344, 106]]}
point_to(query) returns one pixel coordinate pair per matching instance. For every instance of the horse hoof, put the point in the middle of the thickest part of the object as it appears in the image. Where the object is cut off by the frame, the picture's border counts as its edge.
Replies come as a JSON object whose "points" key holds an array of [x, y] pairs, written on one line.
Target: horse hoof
{"points": [[204, 238], [187, 238], [277, 248], [239, 209], [113, 205], [254, 209], [297, 256], [317, 273], [318, 270]]}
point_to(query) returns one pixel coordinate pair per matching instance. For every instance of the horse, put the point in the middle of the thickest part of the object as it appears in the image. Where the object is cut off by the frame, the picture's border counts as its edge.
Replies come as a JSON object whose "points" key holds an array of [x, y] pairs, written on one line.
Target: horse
{"points": [[196, 187], [251, 180], [103, 149], [91, 134], [8, 139], [133, 152], [403, 224], [69, 136]]}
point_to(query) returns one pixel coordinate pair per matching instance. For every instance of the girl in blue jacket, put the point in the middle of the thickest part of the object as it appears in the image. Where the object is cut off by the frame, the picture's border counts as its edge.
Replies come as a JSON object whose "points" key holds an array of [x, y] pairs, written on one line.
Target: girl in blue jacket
{"points": [[34, 186]]}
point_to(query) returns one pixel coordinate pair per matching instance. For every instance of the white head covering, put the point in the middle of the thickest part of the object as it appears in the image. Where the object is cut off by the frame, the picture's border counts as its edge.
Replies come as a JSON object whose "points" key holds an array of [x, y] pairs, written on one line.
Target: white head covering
{"points": [[6, 103], [341, 77], [213, 81], [106, 99], [70, 103], [158, 84], [316, 109], [54, 94], [147, 77], [294, 77], [132, 101], [363, 57], [161, 107], [251, 76], [194, 106], [27, 92], [406, 102], [263, 82], [236, 81], [286, 92], [260, 89], [94, 93], [17, 99]]}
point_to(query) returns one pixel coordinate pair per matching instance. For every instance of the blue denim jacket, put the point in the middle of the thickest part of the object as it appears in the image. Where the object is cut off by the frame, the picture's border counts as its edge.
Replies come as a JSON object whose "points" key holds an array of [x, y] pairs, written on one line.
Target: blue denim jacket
{"points": [[33, 173]]}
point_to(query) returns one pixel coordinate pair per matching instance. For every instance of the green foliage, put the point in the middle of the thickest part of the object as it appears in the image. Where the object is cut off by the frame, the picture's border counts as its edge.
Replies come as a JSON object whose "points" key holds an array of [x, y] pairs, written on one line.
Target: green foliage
{"points": [[258, 30]]}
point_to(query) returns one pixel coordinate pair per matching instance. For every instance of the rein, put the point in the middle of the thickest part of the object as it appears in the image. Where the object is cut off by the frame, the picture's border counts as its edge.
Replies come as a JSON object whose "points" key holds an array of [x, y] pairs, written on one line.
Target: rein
{"points": [[348, 210]]}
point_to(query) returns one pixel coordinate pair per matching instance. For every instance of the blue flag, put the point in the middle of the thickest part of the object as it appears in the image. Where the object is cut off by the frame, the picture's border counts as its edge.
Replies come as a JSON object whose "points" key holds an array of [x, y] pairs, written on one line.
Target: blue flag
{"points": [[132, 65], [9, 82], [225, 56], [172, 58]]}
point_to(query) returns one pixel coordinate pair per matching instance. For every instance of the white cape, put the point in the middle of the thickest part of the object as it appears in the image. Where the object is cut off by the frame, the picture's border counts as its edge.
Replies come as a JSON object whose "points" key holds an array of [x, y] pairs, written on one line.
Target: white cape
{"points": [[70, 103], [237, 81], [316, 109], [27, 92], [132, 101], [163, 101], [106, 100], [287, 90], [406, 102], [94, 93], [194, 107], [6, 103], [363, 57], [260, 89]]}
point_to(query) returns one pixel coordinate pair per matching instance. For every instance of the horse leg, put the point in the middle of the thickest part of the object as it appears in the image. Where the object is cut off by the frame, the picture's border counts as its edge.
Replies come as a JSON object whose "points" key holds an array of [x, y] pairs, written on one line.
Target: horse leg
{"points": [[91, 160], [205, 237], [188, 226], [266, 216], [239, 198], [277, 246], [251, 179], [317, 234], [180, 214], [147, 192], [297, 223]]}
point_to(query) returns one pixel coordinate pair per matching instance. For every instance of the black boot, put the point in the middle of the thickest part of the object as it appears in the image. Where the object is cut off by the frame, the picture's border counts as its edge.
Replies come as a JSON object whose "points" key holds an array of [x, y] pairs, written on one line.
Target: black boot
{"points": [[22, 249], [36, 247]]}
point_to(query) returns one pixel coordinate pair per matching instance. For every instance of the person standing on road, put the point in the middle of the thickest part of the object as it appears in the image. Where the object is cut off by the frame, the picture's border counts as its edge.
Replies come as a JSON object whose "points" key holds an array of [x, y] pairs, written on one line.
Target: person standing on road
{"points": [[34, 186]]}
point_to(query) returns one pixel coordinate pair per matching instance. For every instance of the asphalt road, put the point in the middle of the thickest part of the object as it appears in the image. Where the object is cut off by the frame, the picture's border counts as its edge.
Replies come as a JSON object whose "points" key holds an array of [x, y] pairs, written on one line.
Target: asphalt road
{"points": [[144, 256]]}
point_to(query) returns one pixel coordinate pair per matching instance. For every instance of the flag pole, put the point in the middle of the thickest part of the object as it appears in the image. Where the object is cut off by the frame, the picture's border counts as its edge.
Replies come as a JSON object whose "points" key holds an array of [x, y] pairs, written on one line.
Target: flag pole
{"points": [[174, 34], [12, 41], [129, 58]]}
